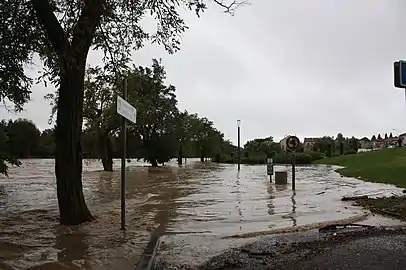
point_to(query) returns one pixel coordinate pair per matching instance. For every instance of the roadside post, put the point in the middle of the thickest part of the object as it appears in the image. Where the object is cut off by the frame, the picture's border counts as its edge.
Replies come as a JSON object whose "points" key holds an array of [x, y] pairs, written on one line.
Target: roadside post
{"points": [[399, 72], [293, 143], [239, 147], [269, 168], [128, 112]]}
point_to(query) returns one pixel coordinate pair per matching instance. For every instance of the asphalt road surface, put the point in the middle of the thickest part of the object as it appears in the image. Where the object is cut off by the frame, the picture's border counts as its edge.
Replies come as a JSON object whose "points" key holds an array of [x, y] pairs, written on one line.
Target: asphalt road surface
{"points": [[366, 248], [372, 253]]}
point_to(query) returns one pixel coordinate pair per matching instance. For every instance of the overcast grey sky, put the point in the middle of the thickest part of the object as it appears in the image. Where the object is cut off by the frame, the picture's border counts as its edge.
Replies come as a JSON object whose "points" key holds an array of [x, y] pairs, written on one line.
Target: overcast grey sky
{"points": [[304, 67]]}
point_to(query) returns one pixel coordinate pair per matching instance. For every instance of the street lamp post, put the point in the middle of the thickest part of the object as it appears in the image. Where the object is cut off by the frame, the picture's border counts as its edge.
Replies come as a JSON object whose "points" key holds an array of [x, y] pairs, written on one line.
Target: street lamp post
{"points": [[238, 150]]}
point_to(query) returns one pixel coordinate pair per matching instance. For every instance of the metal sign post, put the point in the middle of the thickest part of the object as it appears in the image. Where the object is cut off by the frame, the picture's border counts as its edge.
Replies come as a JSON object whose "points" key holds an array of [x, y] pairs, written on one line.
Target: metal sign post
{"points": [[293, 143], [269, 168], [399, 72], [127, 112]]}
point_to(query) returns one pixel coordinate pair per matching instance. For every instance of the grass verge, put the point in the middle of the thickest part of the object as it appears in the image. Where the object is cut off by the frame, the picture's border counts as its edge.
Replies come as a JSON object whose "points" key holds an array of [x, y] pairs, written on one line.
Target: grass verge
{"points": [[382, 166]]}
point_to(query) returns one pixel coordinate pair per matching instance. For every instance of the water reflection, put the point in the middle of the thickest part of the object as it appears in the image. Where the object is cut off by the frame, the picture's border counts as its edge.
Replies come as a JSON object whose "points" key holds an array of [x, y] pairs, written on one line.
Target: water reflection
{"points": [[281, 187], [271, 197], [72, 246], [239, 198], [195, 198], [293, 213]]}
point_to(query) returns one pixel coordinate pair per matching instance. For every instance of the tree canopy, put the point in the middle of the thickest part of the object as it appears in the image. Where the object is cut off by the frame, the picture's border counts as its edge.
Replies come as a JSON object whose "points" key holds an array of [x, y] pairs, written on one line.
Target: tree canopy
{"points": [[61, 33], [56, 29]]}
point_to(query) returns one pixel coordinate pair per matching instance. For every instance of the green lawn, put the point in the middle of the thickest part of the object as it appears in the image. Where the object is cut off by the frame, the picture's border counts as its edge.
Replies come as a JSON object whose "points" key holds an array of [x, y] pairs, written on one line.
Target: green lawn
{"points": [[382, 166]]}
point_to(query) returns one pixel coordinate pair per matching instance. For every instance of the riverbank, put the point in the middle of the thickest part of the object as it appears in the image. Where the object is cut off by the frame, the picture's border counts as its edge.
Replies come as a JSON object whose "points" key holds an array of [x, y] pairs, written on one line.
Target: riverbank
{"points": [[382, 166]]}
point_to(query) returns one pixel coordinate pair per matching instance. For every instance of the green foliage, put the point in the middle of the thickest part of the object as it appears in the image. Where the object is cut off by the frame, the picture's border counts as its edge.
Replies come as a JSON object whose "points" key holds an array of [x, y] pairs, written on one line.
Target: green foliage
{"points": [[61, 33], [341, 148], [156, 111], [316, 155], [285, 158], [23, 138], [353, 144], [324, 145], [156, 137], [280, 158], [383, 166]]}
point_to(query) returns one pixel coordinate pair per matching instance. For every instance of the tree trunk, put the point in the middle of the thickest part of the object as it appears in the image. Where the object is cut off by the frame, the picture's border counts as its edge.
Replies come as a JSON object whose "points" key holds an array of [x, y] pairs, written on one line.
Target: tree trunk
{"points": [[154, 163], [202, 154], [106, 151], [180, 155], [68, 154], [72, 54]]}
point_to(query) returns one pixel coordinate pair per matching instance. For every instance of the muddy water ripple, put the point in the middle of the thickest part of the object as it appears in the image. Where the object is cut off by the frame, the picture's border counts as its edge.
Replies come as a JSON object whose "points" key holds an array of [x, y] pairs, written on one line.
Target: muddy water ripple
{"points": [[196, 199]]}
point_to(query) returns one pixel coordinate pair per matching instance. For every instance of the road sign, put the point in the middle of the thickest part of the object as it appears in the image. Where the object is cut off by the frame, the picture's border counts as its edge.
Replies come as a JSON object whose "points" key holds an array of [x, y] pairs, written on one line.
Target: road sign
{"points": [[402, 75], [396, 74], [292, 143], [126, 110]]}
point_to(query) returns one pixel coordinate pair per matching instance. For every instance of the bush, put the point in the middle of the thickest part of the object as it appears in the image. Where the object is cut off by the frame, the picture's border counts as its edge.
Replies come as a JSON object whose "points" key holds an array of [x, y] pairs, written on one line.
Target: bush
{"points": [[258, 159], [280, 158], [316, 155], [285, 158], [350, 152]]}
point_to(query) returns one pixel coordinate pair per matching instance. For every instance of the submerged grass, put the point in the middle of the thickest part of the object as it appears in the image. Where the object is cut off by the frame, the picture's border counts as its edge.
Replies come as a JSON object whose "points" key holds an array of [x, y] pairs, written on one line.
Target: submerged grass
{"points": [[382, 166]]}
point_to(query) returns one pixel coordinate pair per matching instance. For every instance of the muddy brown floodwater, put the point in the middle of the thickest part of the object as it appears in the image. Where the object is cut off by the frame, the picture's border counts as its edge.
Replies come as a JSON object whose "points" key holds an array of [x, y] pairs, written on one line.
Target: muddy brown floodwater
{"points": [[187, 205]]}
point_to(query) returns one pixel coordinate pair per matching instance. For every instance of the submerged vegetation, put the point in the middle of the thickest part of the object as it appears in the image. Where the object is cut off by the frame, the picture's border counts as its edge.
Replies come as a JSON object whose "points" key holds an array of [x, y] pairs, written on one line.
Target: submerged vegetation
{"points": [[382, 166]]}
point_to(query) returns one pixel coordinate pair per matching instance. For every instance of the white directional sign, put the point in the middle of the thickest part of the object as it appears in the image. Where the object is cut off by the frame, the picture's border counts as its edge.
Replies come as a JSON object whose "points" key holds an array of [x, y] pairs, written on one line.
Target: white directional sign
{"points": [[126, 110]]}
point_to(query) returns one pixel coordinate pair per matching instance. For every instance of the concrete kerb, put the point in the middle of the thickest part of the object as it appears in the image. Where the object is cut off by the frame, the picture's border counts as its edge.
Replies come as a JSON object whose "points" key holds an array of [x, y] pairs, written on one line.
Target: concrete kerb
{"points": [[307, 227]]}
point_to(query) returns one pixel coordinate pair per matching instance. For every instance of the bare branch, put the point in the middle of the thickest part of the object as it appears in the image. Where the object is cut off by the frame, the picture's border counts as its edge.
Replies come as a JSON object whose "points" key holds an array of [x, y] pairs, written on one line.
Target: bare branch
{"points": [[231, 7]]}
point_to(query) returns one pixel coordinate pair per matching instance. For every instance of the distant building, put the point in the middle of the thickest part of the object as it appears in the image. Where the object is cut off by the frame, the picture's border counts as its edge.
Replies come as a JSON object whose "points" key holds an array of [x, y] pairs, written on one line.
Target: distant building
{"points": [[365, 143], [388, 142], [403, 138], [309, 143], [283, 143]]}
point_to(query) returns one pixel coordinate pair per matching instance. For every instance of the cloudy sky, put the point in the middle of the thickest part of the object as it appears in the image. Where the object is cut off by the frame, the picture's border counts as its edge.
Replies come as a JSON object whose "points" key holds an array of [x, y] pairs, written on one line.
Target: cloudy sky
{"points": [[310, 68]]}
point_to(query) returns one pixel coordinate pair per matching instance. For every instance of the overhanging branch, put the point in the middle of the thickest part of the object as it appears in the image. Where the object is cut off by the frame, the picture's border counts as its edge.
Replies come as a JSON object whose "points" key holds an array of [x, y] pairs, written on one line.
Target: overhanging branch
{"points": [[51, 25], [85, 28]]}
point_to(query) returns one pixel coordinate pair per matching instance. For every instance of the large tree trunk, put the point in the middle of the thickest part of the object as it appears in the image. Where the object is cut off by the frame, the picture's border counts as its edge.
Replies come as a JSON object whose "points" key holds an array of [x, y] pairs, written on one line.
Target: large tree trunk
{"points": [[68, 154], [106, 151], [72, 54]]}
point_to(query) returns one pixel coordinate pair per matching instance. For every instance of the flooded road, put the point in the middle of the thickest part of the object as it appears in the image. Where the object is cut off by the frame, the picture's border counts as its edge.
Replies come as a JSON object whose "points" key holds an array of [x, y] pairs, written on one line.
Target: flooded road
{"points": [[186, 204]]}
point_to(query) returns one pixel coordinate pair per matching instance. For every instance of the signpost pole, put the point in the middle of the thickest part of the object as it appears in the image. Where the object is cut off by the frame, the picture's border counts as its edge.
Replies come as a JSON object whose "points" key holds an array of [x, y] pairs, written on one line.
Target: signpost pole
{"points": [[293, 143], [293, 170], [123, 165], [405, 95], [238, 150]]}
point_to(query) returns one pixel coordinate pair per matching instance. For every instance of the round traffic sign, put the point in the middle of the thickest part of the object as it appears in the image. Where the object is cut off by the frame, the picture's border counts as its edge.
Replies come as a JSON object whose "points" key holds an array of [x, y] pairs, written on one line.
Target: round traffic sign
{"points": [[292, 143]]}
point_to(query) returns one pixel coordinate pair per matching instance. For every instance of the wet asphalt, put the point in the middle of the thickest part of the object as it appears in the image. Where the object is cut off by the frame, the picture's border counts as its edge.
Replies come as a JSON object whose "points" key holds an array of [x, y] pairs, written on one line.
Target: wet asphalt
{"points": [[360, 248]]}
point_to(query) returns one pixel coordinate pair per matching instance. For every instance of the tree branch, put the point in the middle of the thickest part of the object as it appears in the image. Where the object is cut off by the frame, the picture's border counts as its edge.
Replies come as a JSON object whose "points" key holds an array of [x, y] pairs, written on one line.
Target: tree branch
{"points": [[85, 28], [51, 25], [230, 8]]}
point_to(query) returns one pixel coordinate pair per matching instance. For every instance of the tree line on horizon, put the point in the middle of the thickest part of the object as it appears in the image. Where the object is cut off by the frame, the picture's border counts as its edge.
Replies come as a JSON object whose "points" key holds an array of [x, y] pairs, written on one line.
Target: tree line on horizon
{"points": [[160, 133], [256, 151]]}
